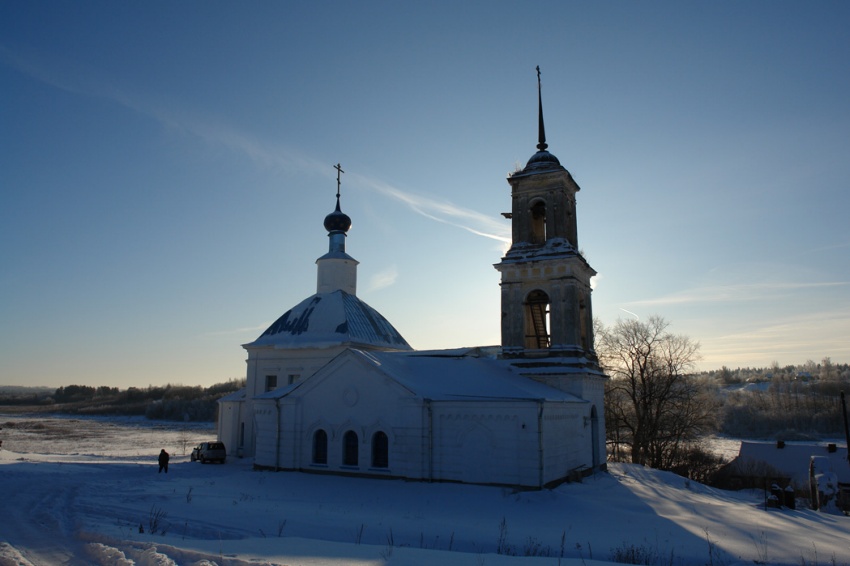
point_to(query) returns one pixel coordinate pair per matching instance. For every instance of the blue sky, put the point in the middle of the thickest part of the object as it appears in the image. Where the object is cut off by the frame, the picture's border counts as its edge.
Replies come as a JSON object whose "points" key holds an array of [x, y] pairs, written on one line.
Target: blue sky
{"points": [[165, 169]]}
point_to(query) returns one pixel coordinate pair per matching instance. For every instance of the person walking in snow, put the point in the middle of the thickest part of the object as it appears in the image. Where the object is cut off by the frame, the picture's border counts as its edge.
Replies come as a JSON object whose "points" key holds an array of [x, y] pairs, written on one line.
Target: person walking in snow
{"points": [[163, 461]]}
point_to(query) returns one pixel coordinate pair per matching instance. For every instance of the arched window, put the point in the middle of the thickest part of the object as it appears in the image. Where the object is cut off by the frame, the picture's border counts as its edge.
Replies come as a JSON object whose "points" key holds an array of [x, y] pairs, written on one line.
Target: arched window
{"points": [[380, 450], [320, 447], [350, 445], [537, 321], [538, 222]]}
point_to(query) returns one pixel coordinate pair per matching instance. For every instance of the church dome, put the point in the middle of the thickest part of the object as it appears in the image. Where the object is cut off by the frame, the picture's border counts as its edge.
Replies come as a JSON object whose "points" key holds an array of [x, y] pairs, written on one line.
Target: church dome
{"points": [[337, 221], [542, 160], [332, 319]]}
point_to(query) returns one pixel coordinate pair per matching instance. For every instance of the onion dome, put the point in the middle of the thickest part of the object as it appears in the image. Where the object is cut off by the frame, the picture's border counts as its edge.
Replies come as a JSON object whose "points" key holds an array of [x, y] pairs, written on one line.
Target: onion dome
{"points": [[334, 316], [337, 221]]}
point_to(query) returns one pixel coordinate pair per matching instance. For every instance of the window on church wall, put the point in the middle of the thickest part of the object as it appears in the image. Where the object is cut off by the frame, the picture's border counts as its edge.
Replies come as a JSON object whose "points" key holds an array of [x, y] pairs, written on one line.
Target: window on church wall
{"points": [[380, 450], [350, 446], [537, 321], [320, 447], [241, 434], [538, 222], [271, 382]]}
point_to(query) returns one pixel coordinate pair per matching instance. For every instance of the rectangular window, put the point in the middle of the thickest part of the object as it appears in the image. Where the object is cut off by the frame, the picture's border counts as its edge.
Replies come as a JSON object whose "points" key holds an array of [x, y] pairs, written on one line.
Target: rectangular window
{"points": [[292, 378], [271, 382], [350, 449], [320, 447], [380, 450]]}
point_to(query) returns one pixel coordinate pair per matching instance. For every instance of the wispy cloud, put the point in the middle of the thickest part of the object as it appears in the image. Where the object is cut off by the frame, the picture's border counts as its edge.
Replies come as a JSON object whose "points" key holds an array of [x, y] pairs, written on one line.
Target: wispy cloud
{"points": [[735, 293], [243, 330], [784, 338], [264, 153], [441, 210], [383, 279], [831, 247], [60, 77]]}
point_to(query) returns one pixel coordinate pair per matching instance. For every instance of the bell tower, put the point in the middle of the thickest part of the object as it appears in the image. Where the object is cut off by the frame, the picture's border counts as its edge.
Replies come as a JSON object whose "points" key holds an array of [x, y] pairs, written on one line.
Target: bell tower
{"points": [[545, 280]]}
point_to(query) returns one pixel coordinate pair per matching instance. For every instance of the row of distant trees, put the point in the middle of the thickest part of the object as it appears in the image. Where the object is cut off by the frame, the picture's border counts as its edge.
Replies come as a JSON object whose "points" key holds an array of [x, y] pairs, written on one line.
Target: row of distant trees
{"points": [[658, 408], [167, 402], [786, 410], [826, 371]]}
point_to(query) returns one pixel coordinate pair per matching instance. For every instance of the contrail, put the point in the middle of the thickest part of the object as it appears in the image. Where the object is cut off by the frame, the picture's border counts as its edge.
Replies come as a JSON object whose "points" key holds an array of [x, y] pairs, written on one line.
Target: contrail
{"points": [[265, 154]]}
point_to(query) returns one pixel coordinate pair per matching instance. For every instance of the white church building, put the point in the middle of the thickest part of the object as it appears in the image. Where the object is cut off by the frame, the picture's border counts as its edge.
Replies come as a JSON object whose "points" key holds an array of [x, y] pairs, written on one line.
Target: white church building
{"points": [[332, 387]]}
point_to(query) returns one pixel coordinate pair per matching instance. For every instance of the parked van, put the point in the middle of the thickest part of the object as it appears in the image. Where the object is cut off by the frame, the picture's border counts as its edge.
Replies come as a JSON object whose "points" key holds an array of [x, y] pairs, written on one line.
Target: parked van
{"points": [[209, 452]]}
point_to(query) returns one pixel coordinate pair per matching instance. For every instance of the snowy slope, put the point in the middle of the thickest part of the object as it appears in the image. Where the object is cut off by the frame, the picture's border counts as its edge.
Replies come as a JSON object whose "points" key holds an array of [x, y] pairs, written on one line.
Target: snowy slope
{"points": [[86, 508]]}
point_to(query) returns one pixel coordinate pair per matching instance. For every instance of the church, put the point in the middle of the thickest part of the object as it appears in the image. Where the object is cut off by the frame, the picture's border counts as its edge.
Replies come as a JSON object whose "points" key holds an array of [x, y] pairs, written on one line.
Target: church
{"points": [[332, 387]]}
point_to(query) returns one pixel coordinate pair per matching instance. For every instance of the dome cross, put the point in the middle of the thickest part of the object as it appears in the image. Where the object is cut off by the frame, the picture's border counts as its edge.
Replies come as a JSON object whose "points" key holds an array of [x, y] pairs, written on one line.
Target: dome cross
{"points": [[339, 171]]}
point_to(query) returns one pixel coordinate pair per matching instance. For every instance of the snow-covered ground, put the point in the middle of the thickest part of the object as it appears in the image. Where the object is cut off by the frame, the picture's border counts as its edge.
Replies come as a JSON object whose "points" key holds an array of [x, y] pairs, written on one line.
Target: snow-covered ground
{"points": [[76, 491]]}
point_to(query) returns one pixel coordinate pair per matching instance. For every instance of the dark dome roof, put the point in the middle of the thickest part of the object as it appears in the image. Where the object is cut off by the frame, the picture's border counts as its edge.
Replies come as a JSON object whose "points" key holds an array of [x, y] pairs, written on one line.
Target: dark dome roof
{"points": [[337, 221], [542, 160], [330, 319]]}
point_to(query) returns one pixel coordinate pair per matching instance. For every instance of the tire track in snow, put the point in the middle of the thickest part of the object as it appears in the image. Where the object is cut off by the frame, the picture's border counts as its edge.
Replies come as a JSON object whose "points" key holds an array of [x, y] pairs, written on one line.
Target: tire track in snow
{"points": [[28, 515]]}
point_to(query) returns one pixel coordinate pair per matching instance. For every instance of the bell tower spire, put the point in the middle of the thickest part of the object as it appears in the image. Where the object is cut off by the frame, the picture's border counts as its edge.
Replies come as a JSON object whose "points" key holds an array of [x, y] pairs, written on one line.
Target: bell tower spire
{"points": [[541, 130]]}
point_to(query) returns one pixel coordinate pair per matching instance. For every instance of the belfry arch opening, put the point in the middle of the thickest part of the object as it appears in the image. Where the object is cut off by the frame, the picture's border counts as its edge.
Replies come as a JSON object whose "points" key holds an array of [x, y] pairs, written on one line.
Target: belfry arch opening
{"points": [[537, 321], [538, 222]]}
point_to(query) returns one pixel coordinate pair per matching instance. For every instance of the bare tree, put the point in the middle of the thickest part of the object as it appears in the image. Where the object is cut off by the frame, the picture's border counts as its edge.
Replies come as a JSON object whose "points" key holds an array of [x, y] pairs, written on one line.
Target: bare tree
{"points": [[827, 370], [183, 439], [652, 405]]}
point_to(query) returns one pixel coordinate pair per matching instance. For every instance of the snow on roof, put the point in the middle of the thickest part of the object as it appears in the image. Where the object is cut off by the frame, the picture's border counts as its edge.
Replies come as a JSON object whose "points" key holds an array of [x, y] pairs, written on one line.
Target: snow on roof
{"points": [[235, 396], [543, 367], [330, 319], [461, 374], [794, 457]]}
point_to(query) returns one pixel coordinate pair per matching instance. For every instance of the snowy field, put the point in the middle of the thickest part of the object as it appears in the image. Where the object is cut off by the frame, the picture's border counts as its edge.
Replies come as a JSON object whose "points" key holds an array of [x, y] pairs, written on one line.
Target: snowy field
{"points": [[76, 491]]}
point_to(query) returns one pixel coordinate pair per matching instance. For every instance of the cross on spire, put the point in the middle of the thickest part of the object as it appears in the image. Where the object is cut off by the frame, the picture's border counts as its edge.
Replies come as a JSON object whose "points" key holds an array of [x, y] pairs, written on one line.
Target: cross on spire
{"points": [[339, 170], [337, 221], [541, 131]]}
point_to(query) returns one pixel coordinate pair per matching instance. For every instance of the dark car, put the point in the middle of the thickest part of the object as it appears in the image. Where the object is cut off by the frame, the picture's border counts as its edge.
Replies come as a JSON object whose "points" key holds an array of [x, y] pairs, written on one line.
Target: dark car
{"points": [[209, 452]]}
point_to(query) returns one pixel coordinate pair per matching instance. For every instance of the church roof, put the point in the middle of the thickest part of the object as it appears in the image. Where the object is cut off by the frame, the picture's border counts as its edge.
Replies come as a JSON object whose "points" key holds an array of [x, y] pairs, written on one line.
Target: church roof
{"points": [[331, 319], [461, 375], [793, 458], [468, 374], [238, 395]]}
